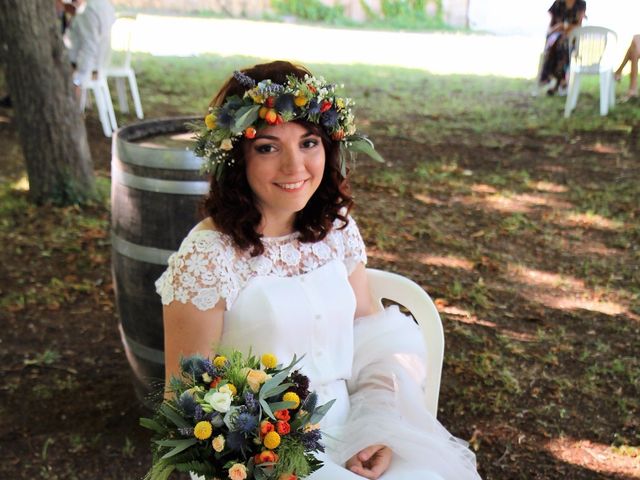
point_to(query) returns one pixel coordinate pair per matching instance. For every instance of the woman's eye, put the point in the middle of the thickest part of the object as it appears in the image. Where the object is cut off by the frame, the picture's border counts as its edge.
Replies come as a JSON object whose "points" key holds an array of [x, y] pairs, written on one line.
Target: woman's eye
{"points": [[310, 143], [265, 148]]}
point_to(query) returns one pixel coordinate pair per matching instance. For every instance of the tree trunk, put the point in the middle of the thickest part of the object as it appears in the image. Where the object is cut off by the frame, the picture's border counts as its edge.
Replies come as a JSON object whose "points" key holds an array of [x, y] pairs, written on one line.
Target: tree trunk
{"points": [[50, 125]]}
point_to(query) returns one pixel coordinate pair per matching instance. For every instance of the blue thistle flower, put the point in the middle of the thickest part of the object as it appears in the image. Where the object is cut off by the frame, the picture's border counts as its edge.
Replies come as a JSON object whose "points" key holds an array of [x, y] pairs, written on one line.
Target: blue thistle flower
{"points": [[329, 118], [246, 424], [313, 106], [225, 118], [193, 365], [209, 368], [243, 79], [236, 441], [187, 403], [284, 103]]}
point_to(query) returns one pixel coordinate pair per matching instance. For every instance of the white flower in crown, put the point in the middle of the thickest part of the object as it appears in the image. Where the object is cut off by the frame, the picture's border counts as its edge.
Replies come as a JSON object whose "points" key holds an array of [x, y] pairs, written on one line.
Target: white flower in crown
{"points": [[289, 254], [226, 144]]}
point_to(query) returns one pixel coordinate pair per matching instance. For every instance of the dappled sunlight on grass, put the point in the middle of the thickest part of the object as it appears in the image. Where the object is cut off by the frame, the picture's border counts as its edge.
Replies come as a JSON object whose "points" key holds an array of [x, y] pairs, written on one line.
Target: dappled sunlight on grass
{"points": [[459, 314], [589, 220], [4, 119], [562, 292], [445, 261], [594, 456], [426, 199], [544, 186], [509, 202]]}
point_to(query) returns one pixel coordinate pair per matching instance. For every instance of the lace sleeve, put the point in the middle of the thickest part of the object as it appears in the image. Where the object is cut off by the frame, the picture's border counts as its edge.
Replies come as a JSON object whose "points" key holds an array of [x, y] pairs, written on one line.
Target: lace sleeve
{"points": [[200, 272], [354, 249]]}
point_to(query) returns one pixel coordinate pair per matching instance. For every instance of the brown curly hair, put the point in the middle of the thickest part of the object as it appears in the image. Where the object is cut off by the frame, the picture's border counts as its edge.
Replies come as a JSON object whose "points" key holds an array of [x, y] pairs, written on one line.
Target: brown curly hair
{"points": [[231, 202]]}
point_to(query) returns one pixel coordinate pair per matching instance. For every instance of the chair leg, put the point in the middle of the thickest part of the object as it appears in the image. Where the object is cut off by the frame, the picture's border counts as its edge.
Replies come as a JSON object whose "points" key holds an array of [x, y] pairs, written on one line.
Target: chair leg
{"points": [[612, 91], [83, 99], [122, 95], [605, 93], [109, 106], [101, 105], [572, 94], [133, 86]]}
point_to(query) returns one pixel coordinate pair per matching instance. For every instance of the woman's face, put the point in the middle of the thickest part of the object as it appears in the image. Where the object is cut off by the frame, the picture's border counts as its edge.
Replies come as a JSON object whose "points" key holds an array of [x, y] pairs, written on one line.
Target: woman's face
{"points": [[284, 165]]}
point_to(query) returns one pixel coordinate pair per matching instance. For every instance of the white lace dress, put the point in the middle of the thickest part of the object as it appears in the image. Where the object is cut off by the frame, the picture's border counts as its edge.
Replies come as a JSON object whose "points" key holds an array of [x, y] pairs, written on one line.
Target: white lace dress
{"points": [[296, 298]]}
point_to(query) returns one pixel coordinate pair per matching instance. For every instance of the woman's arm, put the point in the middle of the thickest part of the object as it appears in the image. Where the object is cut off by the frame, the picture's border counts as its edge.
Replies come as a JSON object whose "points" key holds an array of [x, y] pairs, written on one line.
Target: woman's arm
{"points": [[360, 284], [187, 331]]}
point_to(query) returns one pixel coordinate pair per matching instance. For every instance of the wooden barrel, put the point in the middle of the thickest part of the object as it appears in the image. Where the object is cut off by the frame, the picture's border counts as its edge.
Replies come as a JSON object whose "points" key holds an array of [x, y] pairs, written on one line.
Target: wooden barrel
{"points": [[155, 189]]}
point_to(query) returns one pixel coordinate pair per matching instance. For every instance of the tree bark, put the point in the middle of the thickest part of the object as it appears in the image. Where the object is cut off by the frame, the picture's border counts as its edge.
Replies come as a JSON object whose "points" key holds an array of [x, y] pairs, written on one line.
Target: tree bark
{"points": [[50, 124]]}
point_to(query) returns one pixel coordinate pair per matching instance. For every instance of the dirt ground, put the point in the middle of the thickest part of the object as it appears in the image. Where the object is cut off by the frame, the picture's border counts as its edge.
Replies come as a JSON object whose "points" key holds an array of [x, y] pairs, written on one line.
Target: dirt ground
{"points": [[541, 363]]}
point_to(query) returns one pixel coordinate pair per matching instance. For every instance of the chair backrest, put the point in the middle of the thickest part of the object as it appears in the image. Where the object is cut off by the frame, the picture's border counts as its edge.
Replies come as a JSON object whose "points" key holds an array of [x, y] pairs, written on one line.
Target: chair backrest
{"points": [[121, 39], [401, 290], [592, 48]]}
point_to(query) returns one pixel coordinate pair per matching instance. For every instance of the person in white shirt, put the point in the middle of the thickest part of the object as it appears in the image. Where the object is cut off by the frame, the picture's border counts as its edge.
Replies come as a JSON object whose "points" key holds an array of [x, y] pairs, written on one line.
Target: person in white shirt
{"points": [[89, 37]]}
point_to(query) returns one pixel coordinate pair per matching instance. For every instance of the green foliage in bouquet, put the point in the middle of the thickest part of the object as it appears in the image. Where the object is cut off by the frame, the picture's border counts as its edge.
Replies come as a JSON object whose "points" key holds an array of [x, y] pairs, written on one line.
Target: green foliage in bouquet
{"points": [[237, 417]]}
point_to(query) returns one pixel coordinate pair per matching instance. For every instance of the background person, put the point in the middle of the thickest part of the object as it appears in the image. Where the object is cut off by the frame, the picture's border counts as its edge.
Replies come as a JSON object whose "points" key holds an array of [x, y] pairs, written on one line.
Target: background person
{"points": [[565, 16], [632, 55]]}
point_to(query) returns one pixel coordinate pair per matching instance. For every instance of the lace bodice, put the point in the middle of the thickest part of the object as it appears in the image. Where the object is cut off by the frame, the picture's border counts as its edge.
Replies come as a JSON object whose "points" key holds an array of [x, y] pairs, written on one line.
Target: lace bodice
{"points": [[208, 267]]}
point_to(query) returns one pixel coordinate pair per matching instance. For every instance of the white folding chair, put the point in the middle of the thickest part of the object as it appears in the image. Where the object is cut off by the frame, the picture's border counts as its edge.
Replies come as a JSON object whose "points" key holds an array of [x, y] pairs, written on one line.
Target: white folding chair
{"points": [[592, 54], [401, 290], [123, 70]]}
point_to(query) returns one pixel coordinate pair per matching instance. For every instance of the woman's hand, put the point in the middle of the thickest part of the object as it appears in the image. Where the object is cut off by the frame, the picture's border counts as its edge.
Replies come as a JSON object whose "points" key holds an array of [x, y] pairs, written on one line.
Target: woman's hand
{"points": [[370, 462]]}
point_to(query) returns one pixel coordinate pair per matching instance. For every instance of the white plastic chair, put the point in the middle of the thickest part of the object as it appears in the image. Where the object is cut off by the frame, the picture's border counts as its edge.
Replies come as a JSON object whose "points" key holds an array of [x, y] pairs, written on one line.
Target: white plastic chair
{"points": [[592, 54], [401, 290], [122, 71]]}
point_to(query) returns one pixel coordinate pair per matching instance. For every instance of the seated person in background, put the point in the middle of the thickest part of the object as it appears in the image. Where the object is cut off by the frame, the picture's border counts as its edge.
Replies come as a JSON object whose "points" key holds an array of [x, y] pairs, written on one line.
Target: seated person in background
{"points": [[632, 55], [565, 16], [89, 37]]}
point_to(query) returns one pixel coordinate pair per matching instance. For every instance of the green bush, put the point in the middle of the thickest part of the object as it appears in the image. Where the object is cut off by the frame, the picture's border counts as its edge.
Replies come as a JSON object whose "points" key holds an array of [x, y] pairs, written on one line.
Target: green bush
{"points": [[312, 10]]}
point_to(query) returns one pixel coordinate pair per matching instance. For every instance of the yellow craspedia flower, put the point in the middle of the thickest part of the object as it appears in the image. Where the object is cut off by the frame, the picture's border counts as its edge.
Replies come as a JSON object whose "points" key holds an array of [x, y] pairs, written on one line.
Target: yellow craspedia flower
{"points": [[271, 440], [219, 361], [292, 397], [300, 101], [210, 121], [340, 103], [229, 387], [202, 430], [269, 360]]}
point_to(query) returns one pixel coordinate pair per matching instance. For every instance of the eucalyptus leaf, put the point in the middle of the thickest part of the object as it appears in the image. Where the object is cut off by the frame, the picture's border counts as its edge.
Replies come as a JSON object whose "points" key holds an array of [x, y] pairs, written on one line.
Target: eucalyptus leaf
{"points": [[246, 116], [364, 145], [277, 390], [267, 409], [321, 411], [186, 443], [169, 412]]}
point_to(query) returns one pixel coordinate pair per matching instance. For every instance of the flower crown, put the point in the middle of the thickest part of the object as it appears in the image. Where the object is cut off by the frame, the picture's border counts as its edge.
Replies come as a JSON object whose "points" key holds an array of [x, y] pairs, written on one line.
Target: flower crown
{"points": [[268, 103]]}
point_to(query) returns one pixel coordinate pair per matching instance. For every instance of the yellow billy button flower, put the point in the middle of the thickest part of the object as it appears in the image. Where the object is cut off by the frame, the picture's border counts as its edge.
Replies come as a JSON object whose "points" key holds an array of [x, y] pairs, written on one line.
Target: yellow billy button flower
{"points": [[202, 430], [300, 101], [269, 360], [292, 397], [210, 121], [271, 440], [219, 361], [229, 388]]}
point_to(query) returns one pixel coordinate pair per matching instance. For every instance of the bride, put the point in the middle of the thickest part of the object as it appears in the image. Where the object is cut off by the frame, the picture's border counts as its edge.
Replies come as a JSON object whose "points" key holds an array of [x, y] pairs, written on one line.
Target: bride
{"points": [[278, 265]]}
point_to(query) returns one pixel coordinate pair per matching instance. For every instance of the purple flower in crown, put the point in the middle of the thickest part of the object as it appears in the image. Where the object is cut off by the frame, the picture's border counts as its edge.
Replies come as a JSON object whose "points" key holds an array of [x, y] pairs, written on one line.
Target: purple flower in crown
{"points": [[314, 106], [243, 79], [329, 118], [284, 103]]}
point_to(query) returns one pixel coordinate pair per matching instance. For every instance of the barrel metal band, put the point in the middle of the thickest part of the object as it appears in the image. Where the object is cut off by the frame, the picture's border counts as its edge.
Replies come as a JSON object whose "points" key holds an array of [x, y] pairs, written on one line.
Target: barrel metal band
{"points": [[142, 253], [171, 159], [150, 354], [178, 187]]}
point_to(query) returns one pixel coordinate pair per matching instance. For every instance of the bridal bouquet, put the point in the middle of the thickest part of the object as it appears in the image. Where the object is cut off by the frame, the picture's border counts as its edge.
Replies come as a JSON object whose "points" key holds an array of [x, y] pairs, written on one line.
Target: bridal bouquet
{"points": [[237, 417]]}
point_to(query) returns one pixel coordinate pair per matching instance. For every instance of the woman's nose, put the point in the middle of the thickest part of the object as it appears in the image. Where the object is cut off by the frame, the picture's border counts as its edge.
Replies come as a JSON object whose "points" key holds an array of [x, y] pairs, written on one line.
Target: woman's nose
{"points": [[293, 160]]}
